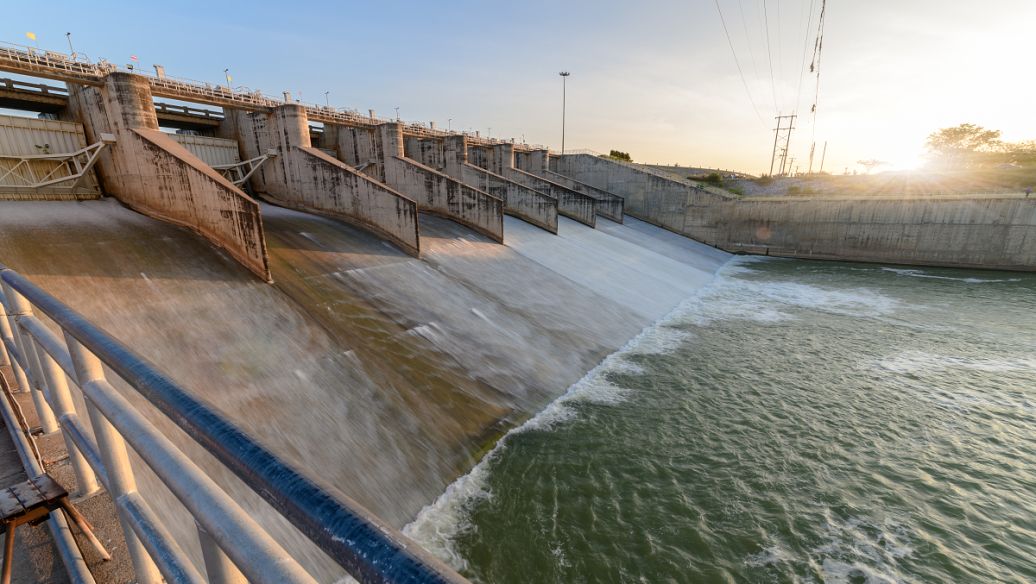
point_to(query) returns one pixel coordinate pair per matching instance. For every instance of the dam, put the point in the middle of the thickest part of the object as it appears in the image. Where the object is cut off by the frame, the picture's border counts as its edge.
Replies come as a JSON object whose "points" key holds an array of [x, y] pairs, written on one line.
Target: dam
{"points": [[371, 304]]}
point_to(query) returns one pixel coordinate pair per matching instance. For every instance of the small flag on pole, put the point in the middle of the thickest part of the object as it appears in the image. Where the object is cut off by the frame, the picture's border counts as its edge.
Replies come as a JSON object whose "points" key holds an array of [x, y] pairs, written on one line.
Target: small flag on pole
{"points": [[134, 58], [31, 36]]}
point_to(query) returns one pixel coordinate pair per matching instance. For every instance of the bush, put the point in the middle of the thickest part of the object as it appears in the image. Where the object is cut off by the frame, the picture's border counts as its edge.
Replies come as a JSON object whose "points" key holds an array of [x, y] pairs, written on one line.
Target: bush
{"points": [[713, 178]]}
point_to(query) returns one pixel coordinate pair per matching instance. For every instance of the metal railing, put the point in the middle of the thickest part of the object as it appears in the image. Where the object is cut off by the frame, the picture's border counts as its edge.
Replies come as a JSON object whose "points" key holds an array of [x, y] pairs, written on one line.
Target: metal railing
{"points": [[186, 110], [234, 546]]}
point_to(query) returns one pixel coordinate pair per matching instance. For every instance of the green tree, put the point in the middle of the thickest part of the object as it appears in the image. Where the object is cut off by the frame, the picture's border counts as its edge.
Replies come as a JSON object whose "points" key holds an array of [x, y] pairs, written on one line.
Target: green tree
{"points": [[619, 155], [964, 146]]}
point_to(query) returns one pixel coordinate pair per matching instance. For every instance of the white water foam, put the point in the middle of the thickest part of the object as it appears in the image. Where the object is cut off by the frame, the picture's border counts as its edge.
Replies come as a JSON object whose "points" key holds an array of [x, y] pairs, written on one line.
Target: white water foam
{"points": [[921, 274]]}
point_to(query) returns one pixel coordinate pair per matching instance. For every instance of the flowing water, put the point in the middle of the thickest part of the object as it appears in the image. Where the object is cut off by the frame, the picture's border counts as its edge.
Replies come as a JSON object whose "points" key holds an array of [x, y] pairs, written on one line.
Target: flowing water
{"points": [[792, 422], [383, 376]]}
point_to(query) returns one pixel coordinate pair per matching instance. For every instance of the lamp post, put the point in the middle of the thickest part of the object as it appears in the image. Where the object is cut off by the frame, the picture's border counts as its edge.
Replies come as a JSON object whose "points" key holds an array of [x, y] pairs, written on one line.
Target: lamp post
{"points": [[226, 73], [327, 100], [68, 36], [564, 80], [449, 125], [397, 113]]}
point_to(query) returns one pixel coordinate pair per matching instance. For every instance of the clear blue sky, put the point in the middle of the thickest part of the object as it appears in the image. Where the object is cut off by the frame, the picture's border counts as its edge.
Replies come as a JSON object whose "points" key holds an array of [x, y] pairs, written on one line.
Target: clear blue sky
{"points": [[656, 79]]}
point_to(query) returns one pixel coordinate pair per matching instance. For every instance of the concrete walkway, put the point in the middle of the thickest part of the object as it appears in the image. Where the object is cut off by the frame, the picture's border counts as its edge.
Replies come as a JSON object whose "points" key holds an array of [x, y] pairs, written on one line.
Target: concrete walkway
{"points": [[36, 560]]}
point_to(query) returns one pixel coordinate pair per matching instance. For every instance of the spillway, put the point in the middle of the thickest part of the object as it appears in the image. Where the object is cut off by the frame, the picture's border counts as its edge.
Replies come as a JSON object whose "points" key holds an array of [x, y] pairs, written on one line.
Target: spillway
{"points": [[382, 375]]}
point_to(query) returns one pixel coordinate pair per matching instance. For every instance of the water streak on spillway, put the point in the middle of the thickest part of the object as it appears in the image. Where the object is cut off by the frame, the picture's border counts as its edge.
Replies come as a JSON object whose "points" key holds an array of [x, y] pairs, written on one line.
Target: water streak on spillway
{"points": [[383, 376]]}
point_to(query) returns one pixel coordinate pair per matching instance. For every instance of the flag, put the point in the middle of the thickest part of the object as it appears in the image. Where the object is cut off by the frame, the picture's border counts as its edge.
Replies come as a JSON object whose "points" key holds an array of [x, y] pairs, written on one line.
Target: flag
{"points": [[134, 58], [31, 36], [229, 78]]}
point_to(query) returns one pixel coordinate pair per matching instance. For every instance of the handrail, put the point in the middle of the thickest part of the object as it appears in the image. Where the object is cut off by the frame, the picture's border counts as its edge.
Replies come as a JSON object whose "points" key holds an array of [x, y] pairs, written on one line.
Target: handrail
{"points": [[368, 549]]}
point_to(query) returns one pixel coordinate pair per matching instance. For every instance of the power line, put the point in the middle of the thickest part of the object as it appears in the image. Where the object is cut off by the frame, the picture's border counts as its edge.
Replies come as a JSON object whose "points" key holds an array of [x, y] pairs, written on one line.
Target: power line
{"points": [[737, 62], [805, 46], [769, 56], [748, 38], [814, 66]]}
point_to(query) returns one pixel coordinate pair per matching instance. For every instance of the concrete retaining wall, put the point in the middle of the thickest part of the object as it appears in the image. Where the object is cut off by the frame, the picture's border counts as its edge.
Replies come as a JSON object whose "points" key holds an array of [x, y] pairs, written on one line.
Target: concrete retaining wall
{"points": [[500, 160], [571, 204], [214, 151], [609, 206], [306, 178], [148, 171], [977, 232], [435, 192], [524, 203]]}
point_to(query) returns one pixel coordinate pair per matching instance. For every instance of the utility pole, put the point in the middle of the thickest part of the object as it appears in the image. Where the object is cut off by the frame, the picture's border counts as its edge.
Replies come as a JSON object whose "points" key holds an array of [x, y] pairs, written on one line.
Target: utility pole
{"points": [[781, 141], [812, 148], [564, 80], [823, 156]]}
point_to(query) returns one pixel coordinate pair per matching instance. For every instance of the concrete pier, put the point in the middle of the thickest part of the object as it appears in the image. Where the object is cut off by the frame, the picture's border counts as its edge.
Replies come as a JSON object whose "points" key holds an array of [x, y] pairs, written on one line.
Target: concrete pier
{"points": [[500, 160], [609, 205], [305, 178], [380, 152], [450, 155], [148, 171], [437, 192]]}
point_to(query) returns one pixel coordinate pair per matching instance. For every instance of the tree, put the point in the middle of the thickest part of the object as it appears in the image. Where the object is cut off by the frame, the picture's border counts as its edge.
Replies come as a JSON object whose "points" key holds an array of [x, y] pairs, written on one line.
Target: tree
{"points": [[618, 155], [963, 146]]}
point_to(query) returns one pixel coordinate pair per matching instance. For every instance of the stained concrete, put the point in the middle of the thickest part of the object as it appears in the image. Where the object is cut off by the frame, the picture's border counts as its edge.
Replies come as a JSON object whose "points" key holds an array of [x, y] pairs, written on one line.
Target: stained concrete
{"points": [[450, 156], [151, 173], [609, 205], [993, 232], [306, 178], [500, 160]]}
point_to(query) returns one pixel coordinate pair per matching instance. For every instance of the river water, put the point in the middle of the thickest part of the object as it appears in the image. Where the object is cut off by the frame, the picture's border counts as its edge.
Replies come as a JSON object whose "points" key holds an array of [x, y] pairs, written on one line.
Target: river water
{"points": [[792, 422]]}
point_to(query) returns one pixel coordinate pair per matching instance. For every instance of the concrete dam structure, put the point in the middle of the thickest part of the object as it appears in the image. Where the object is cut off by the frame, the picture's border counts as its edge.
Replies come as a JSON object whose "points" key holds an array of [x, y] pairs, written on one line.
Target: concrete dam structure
{"points": [[270, 342], [976, 231]]}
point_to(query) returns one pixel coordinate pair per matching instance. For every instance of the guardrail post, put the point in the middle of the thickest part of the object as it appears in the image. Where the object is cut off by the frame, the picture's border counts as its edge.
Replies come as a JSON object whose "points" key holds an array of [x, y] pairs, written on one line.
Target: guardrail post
{"points": [[116, 459], [17, 306], [61, 402], [218, 567], [6, 336]]}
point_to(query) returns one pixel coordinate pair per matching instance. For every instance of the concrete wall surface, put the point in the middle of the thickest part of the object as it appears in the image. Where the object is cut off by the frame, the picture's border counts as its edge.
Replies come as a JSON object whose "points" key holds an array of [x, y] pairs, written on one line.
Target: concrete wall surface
{"points": [[21, 136], [306, 178], [571, 204], [149, 172], [522, 202], [214, 151], [993, 232], [500, 159], [438, 193], [609, 205]]}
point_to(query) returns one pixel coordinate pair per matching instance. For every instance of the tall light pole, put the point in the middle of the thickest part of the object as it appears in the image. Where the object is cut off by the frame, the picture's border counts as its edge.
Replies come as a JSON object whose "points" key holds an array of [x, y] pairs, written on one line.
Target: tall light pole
{"points": [[397, 113], [564, 79], [327, 100], [226, 73], [449, 125], [68, 36]]}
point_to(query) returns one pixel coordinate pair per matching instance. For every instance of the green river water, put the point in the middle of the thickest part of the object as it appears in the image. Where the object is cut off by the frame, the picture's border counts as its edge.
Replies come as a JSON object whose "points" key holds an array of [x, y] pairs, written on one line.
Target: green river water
{"points": [[794, 422]]}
